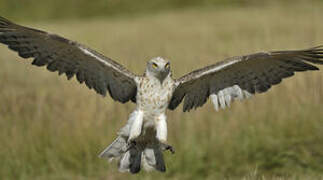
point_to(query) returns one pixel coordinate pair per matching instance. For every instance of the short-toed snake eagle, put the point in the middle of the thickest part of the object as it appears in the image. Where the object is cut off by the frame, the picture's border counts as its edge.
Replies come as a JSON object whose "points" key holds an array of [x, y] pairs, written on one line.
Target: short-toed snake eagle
{"points": [[140, 143]]}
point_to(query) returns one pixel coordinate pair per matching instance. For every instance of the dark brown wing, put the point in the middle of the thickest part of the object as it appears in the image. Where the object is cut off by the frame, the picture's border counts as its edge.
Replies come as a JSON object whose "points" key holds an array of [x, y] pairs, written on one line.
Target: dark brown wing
{"points": [[65, 56], [239, 77]]}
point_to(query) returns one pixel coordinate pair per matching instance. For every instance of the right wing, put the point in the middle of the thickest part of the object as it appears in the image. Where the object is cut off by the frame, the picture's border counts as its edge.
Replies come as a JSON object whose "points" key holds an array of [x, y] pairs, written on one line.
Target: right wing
{"points": [[240, 77]]}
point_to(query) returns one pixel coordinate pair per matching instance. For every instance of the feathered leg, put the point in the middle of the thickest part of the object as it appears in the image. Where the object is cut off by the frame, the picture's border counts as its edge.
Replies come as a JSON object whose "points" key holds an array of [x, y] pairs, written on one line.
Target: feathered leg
{"points": [[136, 126], [161, 135]]}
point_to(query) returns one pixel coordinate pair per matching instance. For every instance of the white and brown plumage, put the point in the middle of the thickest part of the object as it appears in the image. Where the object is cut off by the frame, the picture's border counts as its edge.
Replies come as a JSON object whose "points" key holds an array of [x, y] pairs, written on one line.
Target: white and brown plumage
{"points": [[141, 141]]}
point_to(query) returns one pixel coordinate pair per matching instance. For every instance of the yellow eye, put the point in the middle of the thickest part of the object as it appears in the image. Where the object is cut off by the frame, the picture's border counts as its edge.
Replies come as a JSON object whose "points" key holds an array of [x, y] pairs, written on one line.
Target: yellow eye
{"points": [[155, 66], [167, 66]]}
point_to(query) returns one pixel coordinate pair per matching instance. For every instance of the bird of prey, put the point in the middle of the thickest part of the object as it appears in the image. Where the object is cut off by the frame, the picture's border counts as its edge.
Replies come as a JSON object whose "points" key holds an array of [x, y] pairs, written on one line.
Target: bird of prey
{"points": [[141, 142]]}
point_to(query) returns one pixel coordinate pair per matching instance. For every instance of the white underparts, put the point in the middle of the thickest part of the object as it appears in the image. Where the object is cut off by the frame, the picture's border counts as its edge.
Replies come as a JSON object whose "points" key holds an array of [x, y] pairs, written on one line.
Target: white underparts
{"points": [[161, 127], [225, 96]]}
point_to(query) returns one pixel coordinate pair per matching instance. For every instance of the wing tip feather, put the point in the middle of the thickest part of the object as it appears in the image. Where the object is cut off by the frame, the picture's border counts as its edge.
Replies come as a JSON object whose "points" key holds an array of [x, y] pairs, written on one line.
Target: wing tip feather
{"points": [[4, 21]]}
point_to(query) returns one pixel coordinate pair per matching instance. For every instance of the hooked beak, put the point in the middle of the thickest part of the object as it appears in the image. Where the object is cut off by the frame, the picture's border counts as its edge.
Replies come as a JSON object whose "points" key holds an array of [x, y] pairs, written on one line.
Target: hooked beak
{"points": [[162, 75]]}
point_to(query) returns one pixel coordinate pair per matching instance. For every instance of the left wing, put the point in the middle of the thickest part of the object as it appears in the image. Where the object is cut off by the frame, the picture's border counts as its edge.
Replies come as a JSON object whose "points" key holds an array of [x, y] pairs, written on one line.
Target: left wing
{"points": [[240, 77], [71, 58]]}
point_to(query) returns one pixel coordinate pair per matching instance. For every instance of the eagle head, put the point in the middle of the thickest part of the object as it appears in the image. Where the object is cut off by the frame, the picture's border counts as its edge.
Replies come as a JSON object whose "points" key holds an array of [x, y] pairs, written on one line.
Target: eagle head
{"points": [[159, 68]]}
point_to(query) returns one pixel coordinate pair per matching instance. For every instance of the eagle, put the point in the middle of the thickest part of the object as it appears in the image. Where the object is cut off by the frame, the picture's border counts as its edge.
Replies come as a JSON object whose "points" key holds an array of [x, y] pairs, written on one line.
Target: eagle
{"points": [[143, 140]]}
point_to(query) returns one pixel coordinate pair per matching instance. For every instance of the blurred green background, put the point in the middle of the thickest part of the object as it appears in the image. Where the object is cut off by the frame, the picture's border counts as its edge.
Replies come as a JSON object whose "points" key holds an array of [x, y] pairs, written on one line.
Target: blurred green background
{"points": [[62, 9], [51, 128]]}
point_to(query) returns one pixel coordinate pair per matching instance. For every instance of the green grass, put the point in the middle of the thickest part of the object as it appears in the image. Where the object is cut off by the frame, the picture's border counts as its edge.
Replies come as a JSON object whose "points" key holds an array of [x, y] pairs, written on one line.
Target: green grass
{"points": [[54, 129]]}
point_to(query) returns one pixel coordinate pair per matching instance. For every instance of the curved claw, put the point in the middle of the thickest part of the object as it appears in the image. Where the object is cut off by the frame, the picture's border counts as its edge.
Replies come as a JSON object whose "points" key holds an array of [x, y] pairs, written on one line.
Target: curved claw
{"points": [[166, 147]]}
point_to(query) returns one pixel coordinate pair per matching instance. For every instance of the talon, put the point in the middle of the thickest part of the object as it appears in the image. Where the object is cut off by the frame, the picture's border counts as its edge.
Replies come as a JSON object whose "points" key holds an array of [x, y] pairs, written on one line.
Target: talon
{"points": [[166, 147], [171, 149]]}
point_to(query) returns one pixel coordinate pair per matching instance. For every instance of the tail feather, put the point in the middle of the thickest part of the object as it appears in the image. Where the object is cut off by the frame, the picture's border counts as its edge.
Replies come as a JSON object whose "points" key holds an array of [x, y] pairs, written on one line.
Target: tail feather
{"points": [[115, 149], [153, 159], [130, 161], [124, 162]]}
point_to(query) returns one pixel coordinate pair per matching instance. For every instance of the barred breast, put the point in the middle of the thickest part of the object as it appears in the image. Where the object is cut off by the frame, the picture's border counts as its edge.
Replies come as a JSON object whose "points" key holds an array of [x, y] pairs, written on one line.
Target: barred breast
{"points": [[153, 97]]}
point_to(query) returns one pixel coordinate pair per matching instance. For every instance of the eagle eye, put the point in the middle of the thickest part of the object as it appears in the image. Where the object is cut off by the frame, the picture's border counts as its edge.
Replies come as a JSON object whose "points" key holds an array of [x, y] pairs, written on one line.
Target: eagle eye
{"points": [[155, 66]]}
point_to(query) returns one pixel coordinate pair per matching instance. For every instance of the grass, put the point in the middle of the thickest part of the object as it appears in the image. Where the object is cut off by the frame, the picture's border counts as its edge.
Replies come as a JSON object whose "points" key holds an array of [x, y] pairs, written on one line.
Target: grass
{"points": [[54, 129]]}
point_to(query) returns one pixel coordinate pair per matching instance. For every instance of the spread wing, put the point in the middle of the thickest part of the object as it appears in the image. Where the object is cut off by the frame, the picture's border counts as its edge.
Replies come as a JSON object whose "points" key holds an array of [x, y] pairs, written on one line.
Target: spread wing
{"points": [[65, 56], [240, 77]]}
